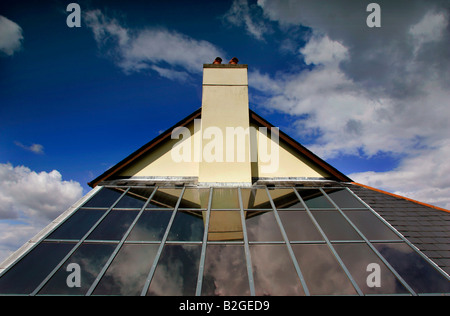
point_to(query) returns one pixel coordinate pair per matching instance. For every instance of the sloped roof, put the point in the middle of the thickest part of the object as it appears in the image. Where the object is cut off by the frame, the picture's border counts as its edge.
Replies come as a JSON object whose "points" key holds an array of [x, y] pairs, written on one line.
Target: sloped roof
{"points": [[254, 118], [425, 226]]}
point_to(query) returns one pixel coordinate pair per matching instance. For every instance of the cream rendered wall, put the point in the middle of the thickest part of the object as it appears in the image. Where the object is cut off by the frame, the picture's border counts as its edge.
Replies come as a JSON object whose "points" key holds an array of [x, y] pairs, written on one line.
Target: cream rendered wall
{"points": [[159, 162], [224, 104], [290, 163]]}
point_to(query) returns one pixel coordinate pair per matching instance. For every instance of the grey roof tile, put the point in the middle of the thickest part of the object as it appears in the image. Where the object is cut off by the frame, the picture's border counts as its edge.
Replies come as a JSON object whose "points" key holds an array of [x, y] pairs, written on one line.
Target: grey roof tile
{"points": [[425, 227]]}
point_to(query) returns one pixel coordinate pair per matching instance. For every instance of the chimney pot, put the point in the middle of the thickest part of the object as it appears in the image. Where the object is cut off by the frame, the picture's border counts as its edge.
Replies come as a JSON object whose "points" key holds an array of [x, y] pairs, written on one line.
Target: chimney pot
{"points": [[233, 61]]}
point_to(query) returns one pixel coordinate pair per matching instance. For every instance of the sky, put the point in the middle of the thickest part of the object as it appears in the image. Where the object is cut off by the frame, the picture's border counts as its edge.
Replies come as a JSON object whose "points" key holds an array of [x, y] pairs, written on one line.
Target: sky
{"points": [[374, 102]]}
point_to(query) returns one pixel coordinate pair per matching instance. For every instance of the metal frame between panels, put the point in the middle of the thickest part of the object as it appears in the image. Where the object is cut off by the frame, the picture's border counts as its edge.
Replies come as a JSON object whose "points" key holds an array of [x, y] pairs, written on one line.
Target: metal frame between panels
{"points": [[41, 285], [248, 258], [403, 239], [370, 244], [245, 242], [158, 254], [205, 240], [328, 242], [288, 245], [119, 246]]}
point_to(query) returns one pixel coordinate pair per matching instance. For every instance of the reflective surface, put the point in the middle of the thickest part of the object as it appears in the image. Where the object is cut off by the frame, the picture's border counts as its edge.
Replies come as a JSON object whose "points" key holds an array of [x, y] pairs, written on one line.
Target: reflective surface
{"points": [[225, 199], [357, 258], [177, 270], [29, 272], [150, 226], [335, 225], [419, 274], [91, 258], [128, 272], [314, 198], [299, 226], [134, 198], [255, 199], [278, 235], [273, 271], [343, 198], [104, 198], [221, 263], [77, 225], [195, 198], [262, 226], [114, 226], [187, 226], [372, 227], [321, 270], [285, 199], [165, 198], [225, 225]]}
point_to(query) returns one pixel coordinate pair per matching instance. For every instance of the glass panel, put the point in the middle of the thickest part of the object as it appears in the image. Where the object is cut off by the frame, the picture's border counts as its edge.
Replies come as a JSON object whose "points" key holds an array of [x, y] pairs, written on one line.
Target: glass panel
{"points": [[321, 270], [285, 199], [135, 198], [357, 257], [127, 273], [225, 271], [165, 198], [225, 226], [273, 271], [415, 270], [313, 198], [335, 226], [343, 198], [225, 199], [255, 199], [150, 226], [91, 258], [113, 226], [372, 227], [31, 270], [77, 225], [104, 198], [177, 270], [187, 226], [195, 198], [298, 226], [262, 226]]}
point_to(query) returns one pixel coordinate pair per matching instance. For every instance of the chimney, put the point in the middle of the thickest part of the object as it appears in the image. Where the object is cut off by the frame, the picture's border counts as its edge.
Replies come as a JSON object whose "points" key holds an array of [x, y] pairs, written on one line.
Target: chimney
{"points": [[225, 125]]}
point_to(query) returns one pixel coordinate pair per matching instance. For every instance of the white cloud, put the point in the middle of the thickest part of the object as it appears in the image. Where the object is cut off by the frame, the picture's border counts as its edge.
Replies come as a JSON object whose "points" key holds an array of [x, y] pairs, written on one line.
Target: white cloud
{"points": [[10, 36], [35, 148], [371, 91], [242, 14], [421, 177], [322, 50], [29, 201], [430, 28], [171, 54]]}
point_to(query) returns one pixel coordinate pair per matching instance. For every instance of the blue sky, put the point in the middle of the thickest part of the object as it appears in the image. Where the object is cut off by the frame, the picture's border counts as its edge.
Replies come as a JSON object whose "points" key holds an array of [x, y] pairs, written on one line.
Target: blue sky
{"points": [[373, 102]]}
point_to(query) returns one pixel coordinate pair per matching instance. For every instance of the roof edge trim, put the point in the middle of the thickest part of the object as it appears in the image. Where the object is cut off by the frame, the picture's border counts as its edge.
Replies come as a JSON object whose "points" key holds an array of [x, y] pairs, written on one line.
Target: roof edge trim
{"points": [[129, 159], [401, 197]]}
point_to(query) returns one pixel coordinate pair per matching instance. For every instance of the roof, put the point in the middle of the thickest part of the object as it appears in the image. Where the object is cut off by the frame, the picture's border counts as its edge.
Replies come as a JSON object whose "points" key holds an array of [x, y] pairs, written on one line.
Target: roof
{"points": [[317, 230], [254, 118], [425, 226]]}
